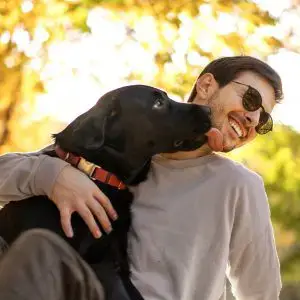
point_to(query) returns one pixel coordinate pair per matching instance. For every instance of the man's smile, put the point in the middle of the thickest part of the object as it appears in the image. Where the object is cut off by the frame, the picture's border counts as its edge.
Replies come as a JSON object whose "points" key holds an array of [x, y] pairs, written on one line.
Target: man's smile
{"points": [[237, 127]]}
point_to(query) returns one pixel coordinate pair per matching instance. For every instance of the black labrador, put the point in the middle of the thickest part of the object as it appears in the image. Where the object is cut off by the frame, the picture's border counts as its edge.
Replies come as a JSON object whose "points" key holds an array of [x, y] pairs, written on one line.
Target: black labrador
{"points": [[113, 143]]}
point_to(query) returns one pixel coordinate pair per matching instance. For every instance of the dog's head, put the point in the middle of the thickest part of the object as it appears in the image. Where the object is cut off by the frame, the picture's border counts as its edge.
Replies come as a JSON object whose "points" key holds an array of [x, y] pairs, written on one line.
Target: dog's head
{"points": [[132, 123]]}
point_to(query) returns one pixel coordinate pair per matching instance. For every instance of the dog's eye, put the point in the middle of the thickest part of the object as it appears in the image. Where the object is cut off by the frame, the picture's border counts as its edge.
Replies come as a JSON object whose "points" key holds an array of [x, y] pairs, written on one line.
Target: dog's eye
{"points": [[158, 103], [113, 113], [178, 143]]}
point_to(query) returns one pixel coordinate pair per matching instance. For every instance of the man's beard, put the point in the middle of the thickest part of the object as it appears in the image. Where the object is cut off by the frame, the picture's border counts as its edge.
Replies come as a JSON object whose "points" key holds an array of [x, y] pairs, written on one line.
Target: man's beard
{"points": [[218, 116], [226, 150], [217, 111]]}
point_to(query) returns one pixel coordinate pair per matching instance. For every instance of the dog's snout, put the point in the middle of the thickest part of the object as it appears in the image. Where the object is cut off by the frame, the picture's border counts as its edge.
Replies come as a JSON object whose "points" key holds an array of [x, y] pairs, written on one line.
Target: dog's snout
{"points": [[203, 110], [207, 110], [207, 125]]}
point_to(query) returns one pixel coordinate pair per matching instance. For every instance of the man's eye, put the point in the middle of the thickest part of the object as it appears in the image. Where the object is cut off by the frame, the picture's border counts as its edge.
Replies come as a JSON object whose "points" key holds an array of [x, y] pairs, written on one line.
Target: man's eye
{"points": [[158, 103]]}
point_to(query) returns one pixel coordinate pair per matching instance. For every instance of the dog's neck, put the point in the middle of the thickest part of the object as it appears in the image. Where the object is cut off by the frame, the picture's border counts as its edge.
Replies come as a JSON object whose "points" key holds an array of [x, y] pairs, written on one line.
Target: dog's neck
{"points": [[130, 171]]}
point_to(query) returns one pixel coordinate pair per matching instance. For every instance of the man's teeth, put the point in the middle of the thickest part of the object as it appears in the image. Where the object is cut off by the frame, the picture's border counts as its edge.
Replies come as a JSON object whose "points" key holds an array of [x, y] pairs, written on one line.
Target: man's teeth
{"points": [[236, 128]]}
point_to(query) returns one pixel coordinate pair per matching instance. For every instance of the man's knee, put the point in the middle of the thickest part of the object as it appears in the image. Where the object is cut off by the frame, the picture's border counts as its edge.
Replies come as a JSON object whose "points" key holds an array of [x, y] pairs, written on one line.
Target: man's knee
{"points": [[41, 234], [35, 240], [34, 250]]}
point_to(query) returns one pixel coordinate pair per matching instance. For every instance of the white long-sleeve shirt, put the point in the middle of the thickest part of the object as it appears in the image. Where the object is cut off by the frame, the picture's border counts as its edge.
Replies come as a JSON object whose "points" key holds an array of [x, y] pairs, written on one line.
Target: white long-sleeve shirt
{"points": [[194, 221]]}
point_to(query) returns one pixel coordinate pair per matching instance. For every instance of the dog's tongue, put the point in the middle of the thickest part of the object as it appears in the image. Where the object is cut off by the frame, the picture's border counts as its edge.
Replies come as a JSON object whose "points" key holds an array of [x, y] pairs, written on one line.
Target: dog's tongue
{"points": [[215, 139]]}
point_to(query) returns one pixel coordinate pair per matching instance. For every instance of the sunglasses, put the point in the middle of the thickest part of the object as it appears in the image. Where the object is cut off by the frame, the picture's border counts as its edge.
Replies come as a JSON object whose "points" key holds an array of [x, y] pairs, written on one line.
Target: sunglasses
{"points": [[252, 101]]}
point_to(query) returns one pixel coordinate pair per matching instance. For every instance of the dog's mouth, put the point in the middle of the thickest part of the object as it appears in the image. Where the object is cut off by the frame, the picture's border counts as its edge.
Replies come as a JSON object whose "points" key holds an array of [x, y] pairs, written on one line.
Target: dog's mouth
{"points": [[213, 137], [190, 145]]}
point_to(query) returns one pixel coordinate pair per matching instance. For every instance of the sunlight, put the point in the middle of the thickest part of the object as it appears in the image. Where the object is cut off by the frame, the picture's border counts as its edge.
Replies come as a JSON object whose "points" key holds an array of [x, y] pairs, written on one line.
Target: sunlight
{"points": [[82, 69], [26, 6], [288, 66]]}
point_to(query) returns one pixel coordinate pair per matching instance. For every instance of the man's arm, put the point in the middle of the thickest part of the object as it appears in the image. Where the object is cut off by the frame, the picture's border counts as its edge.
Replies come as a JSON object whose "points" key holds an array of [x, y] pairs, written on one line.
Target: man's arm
{"points": [[254, 269], [30, 174], [23, 176]]}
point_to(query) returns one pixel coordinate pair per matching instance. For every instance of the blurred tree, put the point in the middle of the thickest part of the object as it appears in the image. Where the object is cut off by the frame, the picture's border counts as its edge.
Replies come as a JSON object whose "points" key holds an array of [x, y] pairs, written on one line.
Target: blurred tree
{"points": [[182, 37], [26, 28]]}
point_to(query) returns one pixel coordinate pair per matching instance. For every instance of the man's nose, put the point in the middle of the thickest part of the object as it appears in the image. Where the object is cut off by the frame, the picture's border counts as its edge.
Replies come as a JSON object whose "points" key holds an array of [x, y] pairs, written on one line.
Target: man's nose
{"points": [[252, 118]]}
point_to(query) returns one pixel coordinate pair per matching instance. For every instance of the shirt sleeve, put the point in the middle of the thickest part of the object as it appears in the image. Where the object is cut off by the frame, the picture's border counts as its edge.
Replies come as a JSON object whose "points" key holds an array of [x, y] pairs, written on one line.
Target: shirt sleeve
{"points": [[254, 269], [27, 174]]}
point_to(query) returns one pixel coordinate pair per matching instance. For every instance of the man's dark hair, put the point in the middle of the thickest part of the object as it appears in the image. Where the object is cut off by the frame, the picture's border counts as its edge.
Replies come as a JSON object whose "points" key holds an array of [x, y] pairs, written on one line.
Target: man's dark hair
{"points": [[226, 69]]}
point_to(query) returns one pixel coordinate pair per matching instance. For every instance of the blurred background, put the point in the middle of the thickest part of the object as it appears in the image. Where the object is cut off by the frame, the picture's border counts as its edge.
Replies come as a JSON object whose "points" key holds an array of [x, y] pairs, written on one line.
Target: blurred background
{"points": [[58, 57]]}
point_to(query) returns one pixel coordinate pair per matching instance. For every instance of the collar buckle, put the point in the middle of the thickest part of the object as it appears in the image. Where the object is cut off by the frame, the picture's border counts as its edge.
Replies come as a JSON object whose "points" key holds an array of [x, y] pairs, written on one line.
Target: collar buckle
{"points": [[87, 167]]}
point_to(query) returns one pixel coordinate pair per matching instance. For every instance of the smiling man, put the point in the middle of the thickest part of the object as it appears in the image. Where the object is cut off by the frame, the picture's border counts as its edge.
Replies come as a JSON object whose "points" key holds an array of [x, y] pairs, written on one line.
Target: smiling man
{"points": [[199, 216]]}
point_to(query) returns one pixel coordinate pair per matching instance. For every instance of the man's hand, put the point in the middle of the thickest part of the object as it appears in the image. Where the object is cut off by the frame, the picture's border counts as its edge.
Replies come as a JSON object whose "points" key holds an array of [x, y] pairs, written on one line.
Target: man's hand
{"points": [[73, 191]]}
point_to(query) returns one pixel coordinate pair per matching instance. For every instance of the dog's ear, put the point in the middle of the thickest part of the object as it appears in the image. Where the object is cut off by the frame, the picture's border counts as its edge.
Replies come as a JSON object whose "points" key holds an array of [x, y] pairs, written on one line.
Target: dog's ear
{"points": [[89, 129], [106, 109], [80, 123], [96, 141], [114, 108], [110, 103]]}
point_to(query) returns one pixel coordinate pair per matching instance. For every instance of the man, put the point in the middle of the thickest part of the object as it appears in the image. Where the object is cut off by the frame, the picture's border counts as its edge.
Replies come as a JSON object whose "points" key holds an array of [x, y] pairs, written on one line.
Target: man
{"points": [[198, 216]]}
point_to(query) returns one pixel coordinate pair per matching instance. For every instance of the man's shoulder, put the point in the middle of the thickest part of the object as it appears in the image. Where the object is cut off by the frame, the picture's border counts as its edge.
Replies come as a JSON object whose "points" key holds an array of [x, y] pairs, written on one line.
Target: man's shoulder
{"points": [[236, 171], [247, 188]]}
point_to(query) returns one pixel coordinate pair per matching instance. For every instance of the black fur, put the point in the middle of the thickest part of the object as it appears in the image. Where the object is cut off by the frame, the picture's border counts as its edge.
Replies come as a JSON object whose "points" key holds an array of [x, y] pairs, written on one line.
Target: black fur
{"points": [[120, 133]]}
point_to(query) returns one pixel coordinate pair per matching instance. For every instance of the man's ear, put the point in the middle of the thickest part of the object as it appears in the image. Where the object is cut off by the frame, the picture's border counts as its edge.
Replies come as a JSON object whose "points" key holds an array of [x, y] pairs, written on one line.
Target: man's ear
{"points": [[206, 86]]}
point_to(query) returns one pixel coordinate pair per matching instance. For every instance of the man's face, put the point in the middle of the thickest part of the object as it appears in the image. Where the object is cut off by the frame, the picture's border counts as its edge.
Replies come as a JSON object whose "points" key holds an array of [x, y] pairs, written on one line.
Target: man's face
{"points": [[236, 124]]}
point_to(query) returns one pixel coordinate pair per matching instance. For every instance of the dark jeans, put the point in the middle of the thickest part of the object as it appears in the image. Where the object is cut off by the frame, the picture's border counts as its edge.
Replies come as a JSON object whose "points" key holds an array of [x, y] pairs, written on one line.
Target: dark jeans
{"points": [[42, 266]]}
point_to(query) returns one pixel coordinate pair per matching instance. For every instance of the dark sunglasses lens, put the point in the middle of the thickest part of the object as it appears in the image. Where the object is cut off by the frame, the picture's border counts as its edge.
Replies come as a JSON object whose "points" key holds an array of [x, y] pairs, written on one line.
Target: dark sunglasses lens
{"points": [[252, 100], [265, 123]]}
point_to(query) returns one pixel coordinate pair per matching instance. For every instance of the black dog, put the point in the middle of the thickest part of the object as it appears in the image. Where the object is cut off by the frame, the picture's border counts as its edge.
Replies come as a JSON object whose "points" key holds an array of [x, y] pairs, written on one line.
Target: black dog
{"points": [[120, 133]]}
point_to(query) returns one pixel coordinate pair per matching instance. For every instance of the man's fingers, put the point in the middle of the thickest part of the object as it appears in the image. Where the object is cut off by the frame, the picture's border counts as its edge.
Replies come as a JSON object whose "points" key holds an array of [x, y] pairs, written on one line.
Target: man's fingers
{"points": [[99, 212], [106, 204], [89, 219], [65, 219], [74, 192]]}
